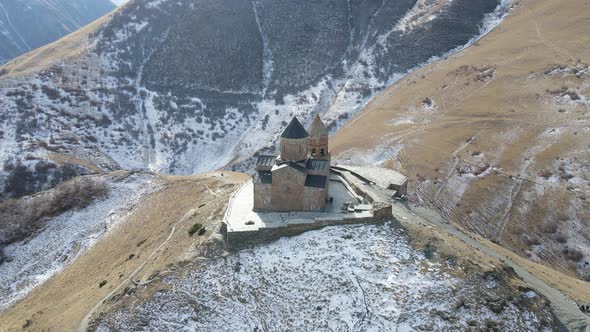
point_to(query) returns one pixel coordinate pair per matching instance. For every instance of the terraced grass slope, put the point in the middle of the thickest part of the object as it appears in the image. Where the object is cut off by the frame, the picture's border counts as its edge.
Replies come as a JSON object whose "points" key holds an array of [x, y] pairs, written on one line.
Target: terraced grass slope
{"points": [[497, 137]]}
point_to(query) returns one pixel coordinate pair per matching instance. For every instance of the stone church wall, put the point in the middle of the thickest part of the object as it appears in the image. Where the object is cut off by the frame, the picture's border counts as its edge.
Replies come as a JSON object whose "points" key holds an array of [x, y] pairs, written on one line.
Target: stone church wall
{"points": [[240, 240], [262, 196], [287, 190], [314, 199]]}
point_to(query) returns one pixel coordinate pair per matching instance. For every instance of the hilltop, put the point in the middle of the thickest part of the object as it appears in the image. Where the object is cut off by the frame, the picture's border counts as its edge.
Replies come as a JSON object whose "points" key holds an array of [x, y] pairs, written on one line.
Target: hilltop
{"points": [[493, 133], [117, 244], [149, 269]]}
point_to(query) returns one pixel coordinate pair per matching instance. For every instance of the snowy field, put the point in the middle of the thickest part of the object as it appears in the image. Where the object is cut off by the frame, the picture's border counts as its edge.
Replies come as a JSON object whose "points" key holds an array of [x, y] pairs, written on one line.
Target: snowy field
{"points": [[352, 278], [65, 238]]}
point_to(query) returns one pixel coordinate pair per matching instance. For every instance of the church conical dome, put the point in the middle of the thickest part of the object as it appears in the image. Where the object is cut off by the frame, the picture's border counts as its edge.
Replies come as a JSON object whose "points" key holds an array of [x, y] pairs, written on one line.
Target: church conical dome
{"points": [[294, 130], [294, 142], [317, 128]]}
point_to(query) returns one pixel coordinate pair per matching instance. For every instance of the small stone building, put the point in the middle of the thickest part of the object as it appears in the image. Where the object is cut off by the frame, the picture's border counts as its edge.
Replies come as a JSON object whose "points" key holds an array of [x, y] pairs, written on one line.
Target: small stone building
{"points": [[297, 179]]}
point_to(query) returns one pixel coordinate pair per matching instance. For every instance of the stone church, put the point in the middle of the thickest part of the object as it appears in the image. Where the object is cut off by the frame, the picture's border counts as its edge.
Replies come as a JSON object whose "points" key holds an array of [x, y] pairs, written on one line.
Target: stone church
{"points": [[297, 179]]}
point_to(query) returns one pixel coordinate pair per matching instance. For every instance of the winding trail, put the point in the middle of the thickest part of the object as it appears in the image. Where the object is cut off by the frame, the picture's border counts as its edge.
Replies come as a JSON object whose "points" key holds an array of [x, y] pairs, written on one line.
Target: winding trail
{"points": [[567, 313]]}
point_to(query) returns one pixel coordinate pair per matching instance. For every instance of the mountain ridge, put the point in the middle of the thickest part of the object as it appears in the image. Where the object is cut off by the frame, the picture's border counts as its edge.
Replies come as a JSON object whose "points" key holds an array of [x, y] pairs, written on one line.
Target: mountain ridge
{"points": [[53, 19]]}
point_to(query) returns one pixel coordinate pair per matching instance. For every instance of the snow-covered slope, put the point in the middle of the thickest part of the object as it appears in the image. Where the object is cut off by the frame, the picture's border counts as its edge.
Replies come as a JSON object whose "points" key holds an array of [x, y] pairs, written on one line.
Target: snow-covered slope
{"points": [[28, 24], [65, 237], [185, 87], [350, 278]]}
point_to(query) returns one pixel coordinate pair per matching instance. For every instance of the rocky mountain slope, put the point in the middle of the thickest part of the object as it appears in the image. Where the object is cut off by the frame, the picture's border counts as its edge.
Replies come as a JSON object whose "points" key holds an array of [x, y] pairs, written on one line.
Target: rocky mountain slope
{"points": [[61, 240], [28, 24], [129, 90], [183, 86], [497, 137]]}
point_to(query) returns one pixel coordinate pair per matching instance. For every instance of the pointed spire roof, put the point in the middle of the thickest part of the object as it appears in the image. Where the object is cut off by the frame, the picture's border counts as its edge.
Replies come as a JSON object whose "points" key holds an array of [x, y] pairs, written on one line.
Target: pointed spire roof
{"points": [[317, 128], [294, 130]]}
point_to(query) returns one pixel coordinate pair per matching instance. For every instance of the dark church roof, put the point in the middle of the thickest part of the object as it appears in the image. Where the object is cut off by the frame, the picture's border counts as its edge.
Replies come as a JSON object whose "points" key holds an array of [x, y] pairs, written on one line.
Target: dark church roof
{"points": [[295, 130], [316, 181], [265, 160], [296, 166], [318, 165], [291, 164]]}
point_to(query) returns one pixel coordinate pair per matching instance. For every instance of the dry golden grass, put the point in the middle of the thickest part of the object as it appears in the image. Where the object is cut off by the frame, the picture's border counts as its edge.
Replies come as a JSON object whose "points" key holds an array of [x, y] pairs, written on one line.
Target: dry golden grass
{"points": [[422, 235], [67, 48], [61, 159], [575, 288], [63, 301], [494, 106]]}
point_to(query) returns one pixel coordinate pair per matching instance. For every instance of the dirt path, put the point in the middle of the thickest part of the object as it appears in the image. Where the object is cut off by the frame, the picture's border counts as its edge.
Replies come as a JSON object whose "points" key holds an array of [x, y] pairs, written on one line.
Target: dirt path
{"points": [[569, 317]]}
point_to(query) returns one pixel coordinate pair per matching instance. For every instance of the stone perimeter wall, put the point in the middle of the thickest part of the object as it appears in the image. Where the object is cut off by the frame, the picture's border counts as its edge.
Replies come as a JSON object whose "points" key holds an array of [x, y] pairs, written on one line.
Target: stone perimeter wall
{"points": [[242, 240]]}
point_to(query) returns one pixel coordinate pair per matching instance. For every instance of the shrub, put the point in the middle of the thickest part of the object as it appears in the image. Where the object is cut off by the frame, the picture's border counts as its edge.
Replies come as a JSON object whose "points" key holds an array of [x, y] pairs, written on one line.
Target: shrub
{"points": [[561, 238], [550, 227], [546, 174], [573, 254], [194, 229], [481, 169], [21, 217]]}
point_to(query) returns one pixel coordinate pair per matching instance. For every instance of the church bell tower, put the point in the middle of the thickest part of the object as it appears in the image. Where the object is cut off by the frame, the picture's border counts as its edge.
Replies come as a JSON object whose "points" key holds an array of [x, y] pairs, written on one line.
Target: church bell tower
{"points": [[318, 140]]}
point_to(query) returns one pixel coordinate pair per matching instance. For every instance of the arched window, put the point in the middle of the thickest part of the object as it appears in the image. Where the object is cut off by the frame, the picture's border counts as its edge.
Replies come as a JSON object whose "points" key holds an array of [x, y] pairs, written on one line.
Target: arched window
{"points": [[322, 152], [313, 152]]}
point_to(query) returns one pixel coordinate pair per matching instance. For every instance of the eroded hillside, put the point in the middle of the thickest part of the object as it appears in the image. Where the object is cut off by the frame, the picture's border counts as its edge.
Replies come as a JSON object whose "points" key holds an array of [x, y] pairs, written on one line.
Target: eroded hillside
{"points": [[183, 86], [497, 137]]}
